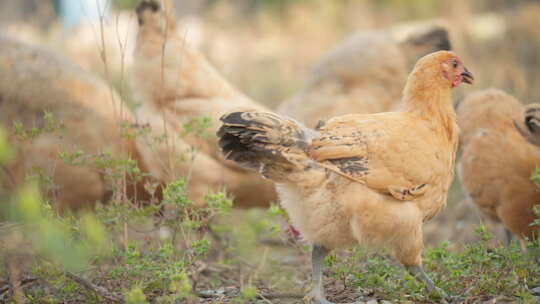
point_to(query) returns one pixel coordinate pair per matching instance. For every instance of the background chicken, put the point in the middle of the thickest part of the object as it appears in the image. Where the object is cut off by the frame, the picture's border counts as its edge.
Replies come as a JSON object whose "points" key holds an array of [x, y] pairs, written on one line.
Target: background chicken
{"points": [[179, 90], [366, 73], [497, 161], [360, 178], [50, 106]]}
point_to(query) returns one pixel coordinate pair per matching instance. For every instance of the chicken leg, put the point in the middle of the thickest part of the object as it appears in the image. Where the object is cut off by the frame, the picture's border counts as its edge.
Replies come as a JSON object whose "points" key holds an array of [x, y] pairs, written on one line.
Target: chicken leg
{"points": [[418, 273], [509, 237], [317, 259]]}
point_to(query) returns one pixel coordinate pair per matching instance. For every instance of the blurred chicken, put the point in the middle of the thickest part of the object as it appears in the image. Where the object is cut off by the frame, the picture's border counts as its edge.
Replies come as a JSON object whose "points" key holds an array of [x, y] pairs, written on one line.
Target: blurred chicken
{"points": [[360, 178], [366, 73], [497, 161], [177, 88], [65, 110]]}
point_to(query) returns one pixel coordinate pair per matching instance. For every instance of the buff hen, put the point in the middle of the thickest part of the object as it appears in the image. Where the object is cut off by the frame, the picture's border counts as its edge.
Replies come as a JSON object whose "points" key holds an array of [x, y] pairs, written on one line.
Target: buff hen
{"points": [[372, 178], [366, 73], [177, 88], [67, 112], [497, 162]]}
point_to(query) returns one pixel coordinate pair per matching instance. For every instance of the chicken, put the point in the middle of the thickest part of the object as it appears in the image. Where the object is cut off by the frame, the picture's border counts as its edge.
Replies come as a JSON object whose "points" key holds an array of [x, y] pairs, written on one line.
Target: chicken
{"points": [[497, 162], [360, 178], [177, 87], [65, 110], [365, 74]]}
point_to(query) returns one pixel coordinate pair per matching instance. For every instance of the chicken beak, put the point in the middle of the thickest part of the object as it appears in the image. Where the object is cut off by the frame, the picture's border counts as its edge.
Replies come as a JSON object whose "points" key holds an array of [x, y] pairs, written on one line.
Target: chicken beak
{"points": [[467, 76]]}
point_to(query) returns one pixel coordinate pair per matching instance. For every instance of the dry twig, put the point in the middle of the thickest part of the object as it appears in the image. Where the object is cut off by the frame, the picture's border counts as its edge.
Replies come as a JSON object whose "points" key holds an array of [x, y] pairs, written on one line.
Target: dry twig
{"points": [[101, 291], [6, 286], [218, 293]]}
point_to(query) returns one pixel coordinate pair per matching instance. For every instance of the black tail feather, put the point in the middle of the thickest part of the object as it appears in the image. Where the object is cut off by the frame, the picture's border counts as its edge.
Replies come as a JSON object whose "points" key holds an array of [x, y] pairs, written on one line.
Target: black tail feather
{"points": [[255, 139], [238, 141]]}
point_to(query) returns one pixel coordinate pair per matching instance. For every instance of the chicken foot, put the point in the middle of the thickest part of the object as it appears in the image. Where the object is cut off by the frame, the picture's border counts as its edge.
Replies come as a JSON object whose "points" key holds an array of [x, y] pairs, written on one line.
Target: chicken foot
{"points": [[418, 273]]}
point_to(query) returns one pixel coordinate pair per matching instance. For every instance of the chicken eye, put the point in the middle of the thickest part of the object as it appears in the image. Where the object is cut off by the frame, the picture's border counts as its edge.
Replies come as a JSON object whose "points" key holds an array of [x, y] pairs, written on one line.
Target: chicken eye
{"points": [[455, 64]]}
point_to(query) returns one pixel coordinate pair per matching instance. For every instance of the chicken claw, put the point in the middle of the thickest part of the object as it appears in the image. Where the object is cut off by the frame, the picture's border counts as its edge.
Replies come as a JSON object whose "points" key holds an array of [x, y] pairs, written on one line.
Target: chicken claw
{"points": [[418, 273]]}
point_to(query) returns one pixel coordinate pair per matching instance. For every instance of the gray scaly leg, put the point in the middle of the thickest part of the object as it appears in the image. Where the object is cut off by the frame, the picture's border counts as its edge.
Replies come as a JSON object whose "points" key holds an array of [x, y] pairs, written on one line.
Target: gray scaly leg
{"points": [[508, 237], [418, 273], [317, 259]]}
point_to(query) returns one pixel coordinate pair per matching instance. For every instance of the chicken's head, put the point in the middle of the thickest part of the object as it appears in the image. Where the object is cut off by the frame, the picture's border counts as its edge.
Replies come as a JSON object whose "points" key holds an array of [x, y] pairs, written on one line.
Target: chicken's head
{"points": [[157, 15], [445, 67], [454, 70]]}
